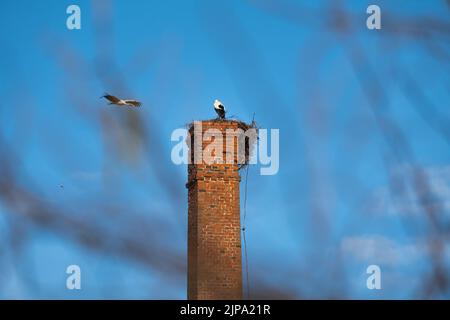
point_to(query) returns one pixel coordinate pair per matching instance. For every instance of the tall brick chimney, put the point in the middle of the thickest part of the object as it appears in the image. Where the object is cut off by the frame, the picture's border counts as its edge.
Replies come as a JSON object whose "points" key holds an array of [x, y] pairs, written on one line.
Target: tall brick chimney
{"points": [[214, 238]]}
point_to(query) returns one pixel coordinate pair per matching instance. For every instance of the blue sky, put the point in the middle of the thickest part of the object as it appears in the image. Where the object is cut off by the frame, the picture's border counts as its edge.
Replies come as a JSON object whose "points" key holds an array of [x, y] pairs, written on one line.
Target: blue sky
{"points": [[344, 197]]}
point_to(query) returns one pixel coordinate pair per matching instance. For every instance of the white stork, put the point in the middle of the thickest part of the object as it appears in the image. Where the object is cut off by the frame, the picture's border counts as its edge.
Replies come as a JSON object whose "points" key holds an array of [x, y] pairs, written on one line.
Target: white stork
{"points": [[121, 102], [219, 108]]}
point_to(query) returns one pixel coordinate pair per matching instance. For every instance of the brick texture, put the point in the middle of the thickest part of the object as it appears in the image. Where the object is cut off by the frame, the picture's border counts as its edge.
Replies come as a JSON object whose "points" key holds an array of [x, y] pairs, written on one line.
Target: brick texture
{"points": [[214, 238]]}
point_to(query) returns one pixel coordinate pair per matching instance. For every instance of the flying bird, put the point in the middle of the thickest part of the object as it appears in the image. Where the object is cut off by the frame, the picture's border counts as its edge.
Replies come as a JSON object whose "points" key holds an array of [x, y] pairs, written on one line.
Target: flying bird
{"points": [[121, 102], [219, 108]]}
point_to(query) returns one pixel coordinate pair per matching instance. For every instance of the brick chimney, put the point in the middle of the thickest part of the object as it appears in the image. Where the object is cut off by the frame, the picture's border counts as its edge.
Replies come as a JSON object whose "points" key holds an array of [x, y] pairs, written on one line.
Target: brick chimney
{"points": [[214, 238]]}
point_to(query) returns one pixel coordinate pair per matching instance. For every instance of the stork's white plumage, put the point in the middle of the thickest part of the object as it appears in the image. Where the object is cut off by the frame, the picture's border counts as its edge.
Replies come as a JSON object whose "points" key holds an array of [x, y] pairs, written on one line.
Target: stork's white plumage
{"points": [[219, 108], [121, 102]]}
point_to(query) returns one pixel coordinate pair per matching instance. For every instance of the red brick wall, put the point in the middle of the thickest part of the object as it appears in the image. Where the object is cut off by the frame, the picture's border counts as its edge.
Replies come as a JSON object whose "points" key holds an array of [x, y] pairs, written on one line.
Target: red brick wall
{"points": [[214, 242]]}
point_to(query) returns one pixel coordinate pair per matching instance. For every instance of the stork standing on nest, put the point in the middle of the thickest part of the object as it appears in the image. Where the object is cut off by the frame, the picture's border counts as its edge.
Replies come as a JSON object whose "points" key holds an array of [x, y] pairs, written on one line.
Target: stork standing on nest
{"points": [[220, 109]]}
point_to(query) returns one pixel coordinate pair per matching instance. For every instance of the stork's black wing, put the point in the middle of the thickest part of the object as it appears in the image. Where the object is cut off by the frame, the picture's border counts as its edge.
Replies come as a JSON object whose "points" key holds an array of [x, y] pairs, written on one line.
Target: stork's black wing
{"points": [[134, 103], [110, 98]]}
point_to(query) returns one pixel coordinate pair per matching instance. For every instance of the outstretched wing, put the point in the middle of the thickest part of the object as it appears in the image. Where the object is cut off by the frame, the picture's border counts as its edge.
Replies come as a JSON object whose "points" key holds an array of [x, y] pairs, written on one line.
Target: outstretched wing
{"points": [[110, 98], [133, 103]]}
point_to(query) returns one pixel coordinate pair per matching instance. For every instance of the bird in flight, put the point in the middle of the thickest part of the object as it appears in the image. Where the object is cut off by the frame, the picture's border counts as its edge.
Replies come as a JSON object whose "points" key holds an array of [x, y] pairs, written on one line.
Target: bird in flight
{"points": [[219, 108], [121, 102]]}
